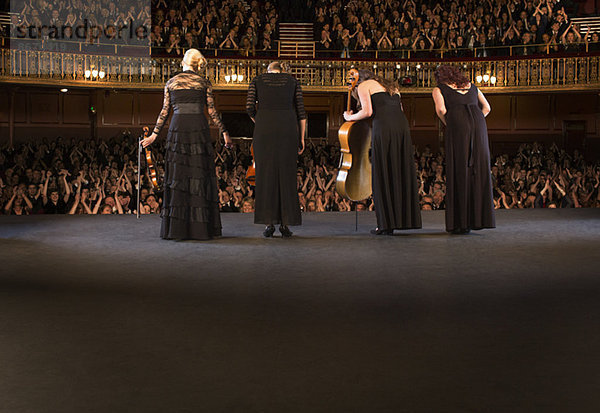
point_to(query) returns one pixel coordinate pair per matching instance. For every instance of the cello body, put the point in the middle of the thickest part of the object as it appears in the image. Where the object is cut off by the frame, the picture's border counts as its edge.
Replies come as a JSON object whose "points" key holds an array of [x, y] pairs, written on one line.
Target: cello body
{"points": [[354, 176]]}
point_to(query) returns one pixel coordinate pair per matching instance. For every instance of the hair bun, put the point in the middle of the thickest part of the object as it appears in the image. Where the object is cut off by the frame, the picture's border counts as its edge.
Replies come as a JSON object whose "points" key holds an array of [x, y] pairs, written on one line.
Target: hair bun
{"points": [[195, 59]]}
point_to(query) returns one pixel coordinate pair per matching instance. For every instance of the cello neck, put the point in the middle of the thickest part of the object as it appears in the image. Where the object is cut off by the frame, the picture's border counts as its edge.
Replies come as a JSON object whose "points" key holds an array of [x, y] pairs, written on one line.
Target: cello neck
{"points": [[349, 100]]}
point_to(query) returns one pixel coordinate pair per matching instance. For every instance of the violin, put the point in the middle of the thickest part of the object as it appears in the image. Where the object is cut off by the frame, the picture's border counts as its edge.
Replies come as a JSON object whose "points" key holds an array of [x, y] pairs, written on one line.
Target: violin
{"points": [[251, 172], [150, 162], [354, 176]]}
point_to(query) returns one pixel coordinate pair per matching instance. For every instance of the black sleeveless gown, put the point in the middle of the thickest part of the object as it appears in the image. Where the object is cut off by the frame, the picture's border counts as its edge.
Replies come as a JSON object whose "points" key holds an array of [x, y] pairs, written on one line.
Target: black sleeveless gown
{"points": [[394, 178], [469, 197], [191, 197], [275, 102]]}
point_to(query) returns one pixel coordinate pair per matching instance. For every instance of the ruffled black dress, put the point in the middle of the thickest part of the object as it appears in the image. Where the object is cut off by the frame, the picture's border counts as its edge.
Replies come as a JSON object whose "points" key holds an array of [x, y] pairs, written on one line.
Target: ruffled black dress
{"points": [[191, 196]]}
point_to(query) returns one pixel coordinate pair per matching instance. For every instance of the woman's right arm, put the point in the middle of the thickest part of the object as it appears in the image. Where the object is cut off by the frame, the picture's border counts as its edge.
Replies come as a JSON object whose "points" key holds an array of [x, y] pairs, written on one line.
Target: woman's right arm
{"points": [[251, 100], [162, 117], [440, 104], [485, 105]]}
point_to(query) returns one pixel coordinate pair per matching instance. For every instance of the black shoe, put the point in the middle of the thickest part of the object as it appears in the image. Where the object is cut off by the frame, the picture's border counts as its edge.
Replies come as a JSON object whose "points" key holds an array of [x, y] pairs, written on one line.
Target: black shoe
{"points": [[378, 231], [461, 231], [285, 231], [269, 231]]}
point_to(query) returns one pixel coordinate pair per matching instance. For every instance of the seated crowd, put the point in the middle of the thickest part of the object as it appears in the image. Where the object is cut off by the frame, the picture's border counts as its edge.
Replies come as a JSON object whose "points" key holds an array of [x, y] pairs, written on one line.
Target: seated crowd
{"points": [[89, 177], [458, 28], [169, 27], [343, 29]]}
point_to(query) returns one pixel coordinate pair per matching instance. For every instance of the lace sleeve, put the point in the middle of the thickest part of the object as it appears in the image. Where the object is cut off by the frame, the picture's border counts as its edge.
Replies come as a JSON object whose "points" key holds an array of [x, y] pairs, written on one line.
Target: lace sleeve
{"points": [[212, 112], [299, 102], [164, 112], [251, 99]]}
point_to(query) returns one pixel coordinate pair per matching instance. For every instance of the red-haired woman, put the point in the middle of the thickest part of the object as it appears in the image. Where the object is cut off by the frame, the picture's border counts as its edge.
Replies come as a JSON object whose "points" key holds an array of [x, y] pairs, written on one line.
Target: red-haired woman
{"points": [[462, 108]]}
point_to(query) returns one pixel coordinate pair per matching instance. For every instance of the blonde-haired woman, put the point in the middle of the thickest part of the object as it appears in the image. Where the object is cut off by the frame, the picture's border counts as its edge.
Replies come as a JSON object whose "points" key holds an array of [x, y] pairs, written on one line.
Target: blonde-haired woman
{"points": [[191, 197]]}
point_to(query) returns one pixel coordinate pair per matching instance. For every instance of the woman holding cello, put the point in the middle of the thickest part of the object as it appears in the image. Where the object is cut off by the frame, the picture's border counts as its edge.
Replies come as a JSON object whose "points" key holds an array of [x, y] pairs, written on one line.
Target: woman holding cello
{"points": [[276, 106], [394, 180]]}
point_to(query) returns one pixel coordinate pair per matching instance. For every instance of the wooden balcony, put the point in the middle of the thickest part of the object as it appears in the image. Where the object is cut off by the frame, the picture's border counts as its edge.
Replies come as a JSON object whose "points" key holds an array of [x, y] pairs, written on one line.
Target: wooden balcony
{"points": [[506, 74]]}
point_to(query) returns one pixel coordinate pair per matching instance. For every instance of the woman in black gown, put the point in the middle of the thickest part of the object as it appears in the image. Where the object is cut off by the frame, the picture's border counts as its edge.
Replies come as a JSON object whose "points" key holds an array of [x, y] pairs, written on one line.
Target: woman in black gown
{"points": [[191, 197], [276, 106], [462, 108], [394, 180]]}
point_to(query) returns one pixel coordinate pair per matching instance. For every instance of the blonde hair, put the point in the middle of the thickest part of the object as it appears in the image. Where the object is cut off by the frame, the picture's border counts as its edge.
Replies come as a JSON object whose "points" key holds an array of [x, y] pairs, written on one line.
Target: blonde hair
{"points": [[282, 67], [194, 59]]}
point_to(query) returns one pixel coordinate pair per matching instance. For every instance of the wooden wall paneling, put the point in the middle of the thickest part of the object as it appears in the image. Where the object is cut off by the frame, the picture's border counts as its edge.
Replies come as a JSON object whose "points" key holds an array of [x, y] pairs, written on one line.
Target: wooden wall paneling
{"points": [[149, 106], [500, 117], [118, 108], [424, 113], [44, 107], [4, 105], [532, 112], [21, 108], [75, 108]]}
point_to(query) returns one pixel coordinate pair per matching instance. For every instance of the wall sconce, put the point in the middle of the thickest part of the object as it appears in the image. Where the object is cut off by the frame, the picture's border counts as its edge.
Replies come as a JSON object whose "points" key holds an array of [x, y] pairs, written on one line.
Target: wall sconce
{"points": [[486, 79], [234, 77], [94, 74]]}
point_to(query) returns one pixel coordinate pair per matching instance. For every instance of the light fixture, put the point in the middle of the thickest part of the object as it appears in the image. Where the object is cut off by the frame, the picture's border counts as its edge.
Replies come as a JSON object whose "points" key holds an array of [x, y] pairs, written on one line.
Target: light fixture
{"points": [[478, 78], [101, 74], [397, 65], [493, 80], [88, 73], [94, 73], [375, 66], [419, 66], [486, 78], [234, 77], [64, 90], [227, 78], [240, 78]]}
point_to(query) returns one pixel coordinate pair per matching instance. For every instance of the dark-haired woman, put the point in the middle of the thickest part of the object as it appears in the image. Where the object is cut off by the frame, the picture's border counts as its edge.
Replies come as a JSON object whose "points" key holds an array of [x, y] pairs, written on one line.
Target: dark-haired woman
{"points": [[276, 105], [462, 108], [394, 180]]}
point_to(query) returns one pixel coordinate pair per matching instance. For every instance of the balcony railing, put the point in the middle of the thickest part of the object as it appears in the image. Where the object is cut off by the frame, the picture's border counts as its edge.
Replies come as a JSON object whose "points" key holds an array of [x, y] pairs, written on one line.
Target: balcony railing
{"points": [[108, 70]]}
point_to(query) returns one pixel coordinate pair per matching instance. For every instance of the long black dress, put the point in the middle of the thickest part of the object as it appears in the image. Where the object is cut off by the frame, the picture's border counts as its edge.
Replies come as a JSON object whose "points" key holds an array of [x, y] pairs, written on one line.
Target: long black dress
{"points": [[276, 139], [394, 179], [469, 198], [191, 197]]}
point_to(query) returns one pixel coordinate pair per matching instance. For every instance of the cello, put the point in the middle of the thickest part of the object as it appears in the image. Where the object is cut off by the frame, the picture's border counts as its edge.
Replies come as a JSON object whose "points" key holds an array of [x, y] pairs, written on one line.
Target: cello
{"points": [[354, 176]]}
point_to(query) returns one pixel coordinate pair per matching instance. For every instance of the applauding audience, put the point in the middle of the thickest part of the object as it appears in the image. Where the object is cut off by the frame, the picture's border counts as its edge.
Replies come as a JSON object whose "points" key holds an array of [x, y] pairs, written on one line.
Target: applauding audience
{"points": [[89, 177]]}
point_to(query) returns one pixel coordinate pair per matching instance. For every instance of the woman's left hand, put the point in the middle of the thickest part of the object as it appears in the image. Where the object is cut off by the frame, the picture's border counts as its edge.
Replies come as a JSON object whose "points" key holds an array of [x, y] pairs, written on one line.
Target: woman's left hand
{"points": [[228, 141], [148, 141], [347, 115]]}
